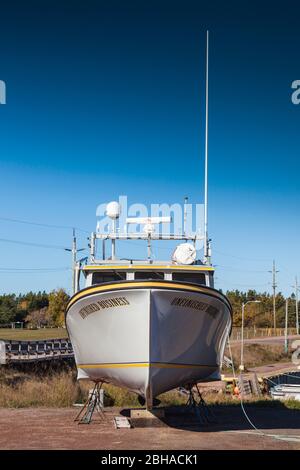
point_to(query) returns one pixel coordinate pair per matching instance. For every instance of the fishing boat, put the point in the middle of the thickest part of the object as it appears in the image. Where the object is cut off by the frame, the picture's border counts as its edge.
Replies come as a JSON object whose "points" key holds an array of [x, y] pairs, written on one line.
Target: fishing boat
{"points": [[148, 325]]}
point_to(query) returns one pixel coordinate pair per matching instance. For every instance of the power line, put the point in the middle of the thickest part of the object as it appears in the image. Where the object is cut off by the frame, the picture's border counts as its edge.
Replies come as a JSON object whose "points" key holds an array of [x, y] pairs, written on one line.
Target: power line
{"points": [[19, 221], [33, 269], [240, 270], [44, 271], [242, 258], [240, 285], [39, 245]]}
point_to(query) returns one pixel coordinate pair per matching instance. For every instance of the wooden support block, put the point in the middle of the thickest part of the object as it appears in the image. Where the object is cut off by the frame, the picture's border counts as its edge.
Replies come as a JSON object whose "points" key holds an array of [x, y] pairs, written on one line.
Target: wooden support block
{"points": [[147, 414]]}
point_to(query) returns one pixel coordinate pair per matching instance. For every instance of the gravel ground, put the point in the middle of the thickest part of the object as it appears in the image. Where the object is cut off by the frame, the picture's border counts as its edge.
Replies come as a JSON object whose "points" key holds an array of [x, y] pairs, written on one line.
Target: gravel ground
{"points": [[44, 428]]}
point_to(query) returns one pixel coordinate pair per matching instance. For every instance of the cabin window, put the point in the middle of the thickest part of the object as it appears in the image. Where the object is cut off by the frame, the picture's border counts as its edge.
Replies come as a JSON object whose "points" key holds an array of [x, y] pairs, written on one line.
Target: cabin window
{"points": [[194, 278], [140, 275], [100, 277]]}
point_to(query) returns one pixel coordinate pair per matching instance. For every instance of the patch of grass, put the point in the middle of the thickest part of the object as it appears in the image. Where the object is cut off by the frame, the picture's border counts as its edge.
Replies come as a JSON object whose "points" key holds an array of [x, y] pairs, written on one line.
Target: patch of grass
{"points": [[261, 402], [259, 354], [57, 387], [32, 335], [114, 396], [56, 391], [120, 396], [292, 404], [173, 398], [117, 396], [270, 403]]}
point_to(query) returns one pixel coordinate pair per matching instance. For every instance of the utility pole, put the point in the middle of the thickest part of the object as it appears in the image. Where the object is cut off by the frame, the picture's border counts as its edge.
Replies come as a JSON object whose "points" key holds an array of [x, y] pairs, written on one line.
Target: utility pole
{"points": [[286, 344], [274, 285], [74, 252], [296, 287]]}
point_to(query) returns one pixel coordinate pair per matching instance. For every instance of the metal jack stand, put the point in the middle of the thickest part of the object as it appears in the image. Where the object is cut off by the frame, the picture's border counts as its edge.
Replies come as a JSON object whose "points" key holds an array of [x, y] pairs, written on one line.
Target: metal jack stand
{"points": [[93, 403], [199, 407]]}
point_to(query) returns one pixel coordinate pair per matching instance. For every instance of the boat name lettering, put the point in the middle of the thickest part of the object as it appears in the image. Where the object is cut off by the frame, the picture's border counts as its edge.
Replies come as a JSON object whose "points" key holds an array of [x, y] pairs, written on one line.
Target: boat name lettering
{"points": [[96, 306], [184, 302]]}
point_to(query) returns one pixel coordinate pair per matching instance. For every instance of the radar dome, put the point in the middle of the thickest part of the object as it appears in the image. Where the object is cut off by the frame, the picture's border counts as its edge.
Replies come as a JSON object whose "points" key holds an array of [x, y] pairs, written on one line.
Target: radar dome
{"points": [[185, 253], [113, 210]]}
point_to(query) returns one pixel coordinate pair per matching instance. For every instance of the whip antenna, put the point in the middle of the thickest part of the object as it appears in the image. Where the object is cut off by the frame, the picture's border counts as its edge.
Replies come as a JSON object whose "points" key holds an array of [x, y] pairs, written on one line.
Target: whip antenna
{"points": [[206, 240]]}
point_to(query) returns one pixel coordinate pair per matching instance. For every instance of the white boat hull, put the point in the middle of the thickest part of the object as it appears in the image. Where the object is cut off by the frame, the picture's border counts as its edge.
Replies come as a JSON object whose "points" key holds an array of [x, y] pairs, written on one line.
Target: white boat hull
{"points": [[148, 336]]}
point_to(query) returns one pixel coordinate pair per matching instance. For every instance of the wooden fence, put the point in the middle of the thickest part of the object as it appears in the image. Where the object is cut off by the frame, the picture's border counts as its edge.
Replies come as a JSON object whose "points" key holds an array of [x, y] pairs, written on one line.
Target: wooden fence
{"points": [[259, 332]]}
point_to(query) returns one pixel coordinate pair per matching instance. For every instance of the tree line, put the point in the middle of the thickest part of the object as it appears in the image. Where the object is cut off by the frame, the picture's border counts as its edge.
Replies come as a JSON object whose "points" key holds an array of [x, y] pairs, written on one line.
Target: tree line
{"points": [[36, 310], [43, 309], [260, 315]]}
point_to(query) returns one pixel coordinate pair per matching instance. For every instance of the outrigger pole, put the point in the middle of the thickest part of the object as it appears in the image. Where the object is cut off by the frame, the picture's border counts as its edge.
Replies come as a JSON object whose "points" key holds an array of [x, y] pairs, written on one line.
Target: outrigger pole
{"points": [[206, 239]]}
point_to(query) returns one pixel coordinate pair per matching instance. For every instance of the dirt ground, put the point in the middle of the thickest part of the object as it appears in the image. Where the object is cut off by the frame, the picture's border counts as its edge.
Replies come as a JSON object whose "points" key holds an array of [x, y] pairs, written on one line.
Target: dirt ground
{"points": [[41, 428]]}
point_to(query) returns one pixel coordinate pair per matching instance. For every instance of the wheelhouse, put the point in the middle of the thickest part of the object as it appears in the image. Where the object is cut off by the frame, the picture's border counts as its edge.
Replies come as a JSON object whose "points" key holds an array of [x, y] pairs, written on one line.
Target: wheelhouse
{"points": [[99, 274], [104, 266]]}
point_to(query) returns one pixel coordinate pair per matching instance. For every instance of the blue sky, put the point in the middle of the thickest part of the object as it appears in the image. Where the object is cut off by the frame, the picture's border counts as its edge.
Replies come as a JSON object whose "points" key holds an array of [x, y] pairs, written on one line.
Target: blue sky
{"points": [[108, 98]]}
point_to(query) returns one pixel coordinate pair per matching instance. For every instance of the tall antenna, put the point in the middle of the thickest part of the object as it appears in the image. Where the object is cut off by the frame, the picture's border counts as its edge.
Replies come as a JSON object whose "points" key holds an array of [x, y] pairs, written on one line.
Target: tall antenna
{"points": [[206, 240]]}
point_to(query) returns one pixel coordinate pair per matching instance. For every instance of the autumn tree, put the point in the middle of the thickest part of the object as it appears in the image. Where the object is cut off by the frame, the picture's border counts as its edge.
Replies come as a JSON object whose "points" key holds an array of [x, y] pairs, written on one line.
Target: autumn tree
{"points": [[58, 301], [39, 318], [8, 308]]}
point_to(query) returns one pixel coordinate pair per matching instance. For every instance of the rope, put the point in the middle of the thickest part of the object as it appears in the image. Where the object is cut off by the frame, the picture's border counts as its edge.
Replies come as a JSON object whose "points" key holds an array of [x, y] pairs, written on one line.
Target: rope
{"points": [[281, 437], [290, 375]]}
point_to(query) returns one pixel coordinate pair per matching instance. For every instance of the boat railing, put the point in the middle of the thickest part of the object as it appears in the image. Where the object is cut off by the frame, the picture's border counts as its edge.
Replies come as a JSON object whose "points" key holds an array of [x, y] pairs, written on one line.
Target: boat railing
{"points": [[146, 236]]}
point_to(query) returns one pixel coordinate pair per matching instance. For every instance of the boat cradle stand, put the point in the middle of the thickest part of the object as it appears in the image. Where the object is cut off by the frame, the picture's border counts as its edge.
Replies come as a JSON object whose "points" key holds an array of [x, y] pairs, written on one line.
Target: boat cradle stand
{"points": [[197, 405], [95, 402]]}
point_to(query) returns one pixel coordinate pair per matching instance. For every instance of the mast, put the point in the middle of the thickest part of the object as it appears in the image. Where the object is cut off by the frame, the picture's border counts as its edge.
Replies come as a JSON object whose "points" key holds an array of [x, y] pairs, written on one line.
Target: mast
{"points": [[206, 240]]}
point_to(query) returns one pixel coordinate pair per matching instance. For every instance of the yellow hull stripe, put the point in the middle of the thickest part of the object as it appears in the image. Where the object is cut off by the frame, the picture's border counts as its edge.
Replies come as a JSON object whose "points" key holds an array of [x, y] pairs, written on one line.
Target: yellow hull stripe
{"points": [[160, 365], [129, 285], [151, 267]]}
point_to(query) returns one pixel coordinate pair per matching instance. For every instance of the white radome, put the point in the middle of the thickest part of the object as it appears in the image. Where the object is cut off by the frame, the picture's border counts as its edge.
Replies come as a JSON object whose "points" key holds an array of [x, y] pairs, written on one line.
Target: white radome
{"points": [[185, 253], [113, 210]]}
